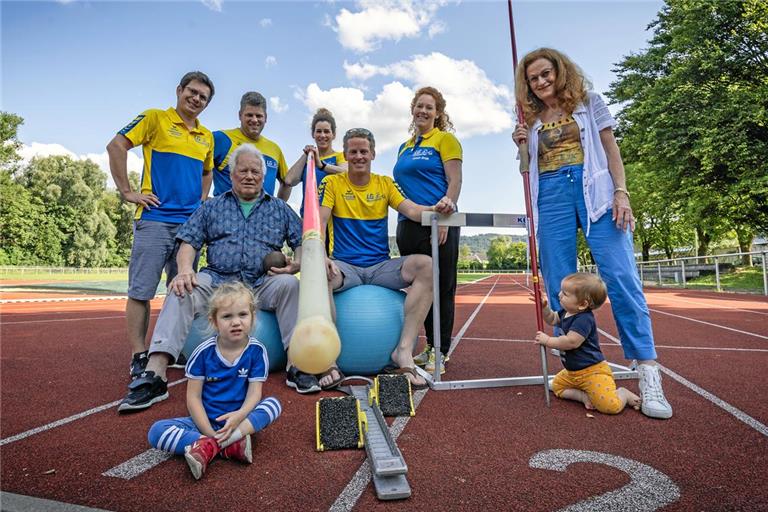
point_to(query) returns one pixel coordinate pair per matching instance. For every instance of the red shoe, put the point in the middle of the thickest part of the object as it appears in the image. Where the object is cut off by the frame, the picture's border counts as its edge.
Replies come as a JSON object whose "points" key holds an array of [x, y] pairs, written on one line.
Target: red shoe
{"points": [[200, 453], [239, 450]]}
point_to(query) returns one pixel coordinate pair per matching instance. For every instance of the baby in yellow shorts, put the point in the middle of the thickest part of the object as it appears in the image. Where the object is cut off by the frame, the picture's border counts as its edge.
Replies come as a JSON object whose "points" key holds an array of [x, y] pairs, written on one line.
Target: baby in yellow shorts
{"points": [[587, 378]]}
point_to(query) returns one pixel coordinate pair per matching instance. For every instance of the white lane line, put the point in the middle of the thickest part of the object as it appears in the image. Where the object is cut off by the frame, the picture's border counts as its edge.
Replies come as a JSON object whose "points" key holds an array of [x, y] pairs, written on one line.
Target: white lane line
{"points": [[18, 437], [12, 502], [691, 320], [138, 464], [69, 319], [62, 299], [714, 306], [710, 324], [678, 347], [362, 477], [737, 413]]}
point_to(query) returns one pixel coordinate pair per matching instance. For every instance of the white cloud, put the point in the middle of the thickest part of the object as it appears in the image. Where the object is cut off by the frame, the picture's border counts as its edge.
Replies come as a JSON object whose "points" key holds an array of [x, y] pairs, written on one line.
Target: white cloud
{"points": [[380, 20], [386, 115], [265, 22], [270, 61], [475, 104], [277, 105], [36, 149], [214, 5]]}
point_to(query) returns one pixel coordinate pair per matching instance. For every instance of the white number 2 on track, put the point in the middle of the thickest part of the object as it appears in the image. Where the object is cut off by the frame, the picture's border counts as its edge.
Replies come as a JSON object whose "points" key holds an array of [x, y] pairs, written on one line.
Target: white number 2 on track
{"points": [[648, 489]]}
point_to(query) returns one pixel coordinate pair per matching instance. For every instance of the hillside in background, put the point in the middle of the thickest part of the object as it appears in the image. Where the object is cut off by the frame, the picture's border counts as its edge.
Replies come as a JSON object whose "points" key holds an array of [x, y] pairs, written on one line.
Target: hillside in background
{"points": [[478, 244]]}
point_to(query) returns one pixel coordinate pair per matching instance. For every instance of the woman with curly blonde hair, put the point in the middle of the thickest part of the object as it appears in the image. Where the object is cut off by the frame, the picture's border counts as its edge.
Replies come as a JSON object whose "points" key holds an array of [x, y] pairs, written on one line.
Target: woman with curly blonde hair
{"points": [[577, 181], [428, 169]]}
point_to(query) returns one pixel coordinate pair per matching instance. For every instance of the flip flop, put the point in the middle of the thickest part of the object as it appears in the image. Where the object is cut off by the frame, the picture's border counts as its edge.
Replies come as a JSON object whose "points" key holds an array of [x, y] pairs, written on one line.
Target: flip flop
{"points": [[413, 372], [335, 383]]}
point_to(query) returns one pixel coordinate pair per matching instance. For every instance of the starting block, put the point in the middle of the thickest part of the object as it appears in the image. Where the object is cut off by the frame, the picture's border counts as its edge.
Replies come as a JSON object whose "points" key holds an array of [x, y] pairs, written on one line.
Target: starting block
{"points": [[356, 420]]}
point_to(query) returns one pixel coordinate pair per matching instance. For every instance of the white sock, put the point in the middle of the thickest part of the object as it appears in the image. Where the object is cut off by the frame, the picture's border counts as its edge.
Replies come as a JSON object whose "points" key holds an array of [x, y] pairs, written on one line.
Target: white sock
{"points": [[235, 437]]}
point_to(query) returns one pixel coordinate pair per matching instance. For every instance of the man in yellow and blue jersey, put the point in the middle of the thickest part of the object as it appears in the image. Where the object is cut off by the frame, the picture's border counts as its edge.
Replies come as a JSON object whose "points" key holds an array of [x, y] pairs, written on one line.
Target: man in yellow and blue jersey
{"points": [[178, 158], [253, 118], [358, 201]]}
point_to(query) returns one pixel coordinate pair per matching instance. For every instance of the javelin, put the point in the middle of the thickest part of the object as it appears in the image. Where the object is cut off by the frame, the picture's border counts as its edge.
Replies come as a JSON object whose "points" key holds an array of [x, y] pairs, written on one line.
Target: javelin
{"points": [[525, 172]]}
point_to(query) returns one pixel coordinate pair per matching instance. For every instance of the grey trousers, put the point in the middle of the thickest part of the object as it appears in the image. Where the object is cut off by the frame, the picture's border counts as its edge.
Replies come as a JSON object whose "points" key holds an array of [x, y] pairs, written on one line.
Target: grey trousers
{"points": [[279, 293]]}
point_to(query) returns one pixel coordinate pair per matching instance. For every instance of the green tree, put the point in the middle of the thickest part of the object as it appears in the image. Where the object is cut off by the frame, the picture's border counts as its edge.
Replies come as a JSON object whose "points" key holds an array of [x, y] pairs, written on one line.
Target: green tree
{"points": [[27, 235], [9, 142], [71, 192], [696, 116]]}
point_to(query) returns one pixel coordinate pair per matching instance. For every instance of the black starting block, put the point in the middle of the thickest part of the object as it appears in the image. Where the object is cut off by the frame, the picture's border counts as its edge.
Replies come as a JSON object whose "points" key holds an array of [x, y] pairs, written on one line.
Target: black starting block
{"points": [[356, 420]]}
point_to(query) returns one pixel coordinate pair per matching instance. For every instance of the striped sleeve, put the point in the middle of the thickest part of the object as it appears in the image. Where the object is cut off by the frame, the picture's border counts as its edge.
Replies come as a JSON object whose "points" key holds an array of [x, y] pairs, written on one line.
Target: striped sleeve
{"points": [[394, 193], [142, 128]]}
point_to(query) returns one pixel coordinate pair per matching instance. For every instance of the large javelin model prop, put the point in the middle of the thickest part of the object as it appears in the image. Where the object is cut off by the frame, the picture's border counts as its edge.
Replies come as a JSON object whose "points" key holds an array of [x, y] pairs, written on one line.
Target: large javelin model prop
{"points": [[315, 343], [525, 173]]}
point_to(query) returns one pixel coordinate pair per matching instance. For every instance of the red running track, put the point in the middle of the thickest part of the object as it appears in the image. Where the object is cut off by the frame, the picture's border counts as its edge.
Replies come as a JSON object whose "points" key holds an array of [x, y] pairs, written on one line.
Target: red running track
{"points": [[64, 368]]}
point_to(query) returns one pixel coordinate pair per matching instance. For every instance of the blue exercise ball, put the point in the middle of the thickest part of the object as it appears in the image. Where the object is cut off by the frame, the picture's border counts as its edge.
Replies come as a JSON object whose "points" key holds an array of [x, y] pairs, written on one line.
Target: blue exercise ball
{"points": [[369, 320], [266, 331]]}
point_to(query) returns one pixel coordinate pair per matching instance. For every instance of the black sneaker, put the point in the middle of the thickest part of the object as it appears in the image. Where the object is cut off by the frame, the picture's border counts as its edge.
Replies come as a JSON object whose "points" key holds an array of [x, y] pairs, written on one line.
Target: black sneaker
{"points": [[301, 382], [181, 362], [146, 390], [139, 364]]}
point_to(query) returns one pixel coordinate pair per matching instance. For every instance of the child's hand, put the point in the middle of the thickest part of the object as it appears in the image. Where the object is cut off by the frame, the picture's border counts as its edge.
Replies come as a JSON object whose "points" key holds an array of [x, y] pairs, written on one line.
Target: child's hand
{"points": [[231, 421], [544, 301], [542, 338]]}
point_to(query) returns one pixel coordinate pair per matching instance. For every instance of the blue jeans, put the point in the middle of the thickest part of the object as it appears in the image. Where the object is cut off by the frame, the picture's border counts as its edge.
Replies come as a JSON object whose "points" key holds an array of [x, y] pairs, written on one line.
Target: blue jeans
{"points": [[561, 212]]}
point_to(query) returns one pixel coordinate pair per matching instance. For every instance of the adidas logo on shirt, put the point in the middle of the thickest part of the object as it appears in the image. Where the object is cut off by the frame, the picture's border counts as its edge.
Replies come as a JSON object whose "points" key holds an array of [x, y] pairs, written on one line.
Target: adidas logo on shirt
{"points": [[242, 372]]}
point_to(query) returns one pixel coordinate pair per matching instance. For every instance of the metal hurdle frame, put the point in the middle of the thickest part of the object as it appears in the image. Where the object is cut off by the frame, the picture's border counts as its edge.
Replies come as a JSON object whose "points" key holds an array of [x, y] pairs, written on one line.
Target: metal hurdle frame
{"points": [[497, 220]]}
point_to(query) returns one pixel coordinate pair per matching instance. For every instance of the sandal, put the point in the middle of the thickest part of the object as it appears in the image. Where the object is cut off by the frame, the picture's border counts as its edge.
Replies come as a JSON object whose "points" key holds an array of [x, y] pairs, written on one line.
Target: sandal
{"points": [[409, 370], [335, 383]]}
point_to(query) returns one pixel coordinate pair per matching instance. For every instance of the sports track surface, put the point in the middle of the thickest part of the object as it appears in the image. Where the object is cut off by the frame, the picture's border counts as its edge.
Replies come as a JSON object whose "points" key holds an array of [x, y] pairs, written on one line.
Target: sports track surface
{"points": [[64, 369]]}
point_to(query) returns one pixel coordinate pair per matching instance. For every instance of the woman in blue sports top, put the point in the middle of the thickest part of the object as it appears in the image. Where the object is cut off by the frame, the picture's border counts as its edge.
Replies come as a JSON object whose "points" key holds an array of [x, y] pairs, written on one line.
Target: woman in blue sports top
{"points": [[577, 181], [428, 169], [327, 161]]}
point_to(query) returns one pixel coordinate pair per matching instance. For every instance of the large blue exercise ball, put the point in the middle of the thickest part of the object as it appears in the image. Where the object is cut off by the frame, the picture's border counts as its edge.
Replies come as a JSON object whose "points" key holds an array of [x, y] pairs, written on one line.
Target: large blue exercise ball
{"points": [[266, 331], [369, 320]]}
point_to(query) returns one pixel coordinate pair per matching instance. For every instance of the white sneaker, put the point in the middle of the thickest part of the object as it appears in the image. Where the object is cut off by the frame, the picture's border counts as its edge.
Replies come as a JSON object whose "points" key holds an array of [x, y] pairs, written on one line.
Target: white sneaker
{"points": [[654, 404]]}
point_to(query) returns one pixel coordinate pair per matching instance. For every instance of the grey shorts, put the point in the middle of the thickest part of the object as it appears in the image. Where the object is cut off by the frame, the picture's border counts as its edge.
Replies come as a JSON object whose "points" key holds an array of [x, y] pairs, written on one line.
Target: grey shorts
{"points": [[154, 249], [387, 274]]}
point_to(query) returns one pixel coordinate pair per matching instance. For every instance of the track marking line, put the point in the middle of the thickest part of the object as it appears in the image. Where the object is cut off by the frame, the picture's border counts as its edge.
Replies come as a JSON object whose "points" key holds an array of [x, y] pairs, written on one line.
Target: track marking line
{"points": [[691, 320], [678, 347], [138, 464], [12, 502], [713, 306], [69, 319], [710, 324], [737, 413], [37, 430], [362, 477]]}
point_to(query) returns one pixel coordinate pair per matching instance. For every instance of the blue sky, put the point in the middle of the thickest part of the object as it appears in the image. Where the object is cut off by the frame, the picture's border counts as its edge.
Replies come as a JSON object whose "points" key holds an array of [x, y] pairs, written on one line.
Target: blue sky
{"points": [[79, 71]]}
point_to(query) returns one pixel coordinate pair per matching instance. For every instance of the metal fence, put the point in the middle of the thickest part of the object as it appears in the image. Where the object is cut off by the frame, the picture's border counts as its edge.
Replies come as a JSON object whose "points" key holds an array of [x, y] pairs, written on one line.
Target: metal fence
{"points": [[6, 270], [718, 272]]}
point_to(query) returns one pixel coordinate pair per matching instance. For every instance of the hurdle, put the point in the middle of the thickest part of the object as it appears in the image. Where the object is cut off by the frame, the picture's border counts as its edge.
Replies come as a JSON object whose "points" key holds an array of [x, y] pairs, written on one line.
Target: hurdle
{"points": [[481, 220]]}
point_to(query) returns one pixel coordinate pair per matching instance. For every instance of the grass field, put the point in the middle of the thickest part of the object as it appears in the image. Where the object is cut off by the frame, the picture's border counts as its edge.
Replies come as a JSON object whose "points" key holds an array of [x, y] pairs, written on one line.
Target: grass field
{"points": [[742, 279]]}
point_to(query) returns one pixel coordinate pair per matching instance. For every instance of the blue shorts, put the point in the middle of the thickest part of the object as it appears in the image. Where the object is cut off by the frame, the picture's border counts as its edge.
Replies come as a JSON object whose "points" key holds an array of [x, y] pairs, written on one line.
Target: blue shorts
{"points": [[154, 249], [387, 274]]}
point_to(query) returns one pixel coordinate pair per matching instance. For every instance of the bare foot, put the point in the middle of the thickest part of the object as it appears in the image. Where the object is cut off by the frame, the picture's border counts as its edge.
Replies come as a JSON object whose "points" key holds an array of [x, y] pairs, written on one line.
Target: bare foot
{"points": [[404, 359], [588, 404], [329, 377], [632, 399]]}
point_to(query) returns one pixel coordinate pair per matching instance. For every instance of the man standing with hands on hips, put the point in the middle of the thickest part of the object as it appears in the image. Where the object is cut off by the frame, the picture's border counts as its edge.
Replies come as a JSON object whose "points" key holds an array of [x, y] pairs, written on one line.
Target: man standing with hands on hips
{"points": [[178, 158]]}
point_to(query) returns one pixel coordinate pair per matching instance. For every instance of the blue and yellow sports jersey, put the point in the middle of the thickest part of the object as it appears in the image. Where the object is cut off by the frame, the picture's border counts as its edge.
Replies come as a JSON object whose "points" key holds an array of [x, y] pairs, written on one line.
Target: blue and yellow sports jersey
{"points": [[332, 159], [360, 217], [419, 168], [225, 384], [226, 141], [175, 159]]}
